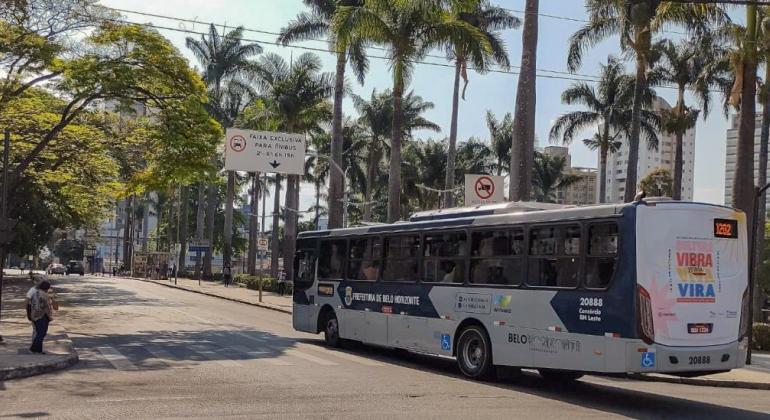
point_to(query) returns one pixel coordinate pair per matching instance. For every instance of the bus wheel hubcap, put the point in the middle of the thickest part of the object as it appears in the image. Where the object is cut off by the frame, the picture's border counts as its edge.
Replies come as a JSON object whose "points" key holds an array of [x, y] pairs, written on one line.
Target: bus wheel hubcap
{"points": [[331, 327], [474, 353]]}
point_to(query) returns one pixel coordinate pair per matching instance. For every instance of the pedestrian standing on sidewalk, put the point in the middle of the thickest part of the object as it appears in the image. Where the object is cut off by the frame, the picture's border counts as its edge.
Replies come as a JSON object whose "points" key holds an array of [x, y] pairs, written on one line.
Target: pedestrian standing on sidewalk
{"points": [[28, 305], [226, 274], [281, 282], [41, 314]]}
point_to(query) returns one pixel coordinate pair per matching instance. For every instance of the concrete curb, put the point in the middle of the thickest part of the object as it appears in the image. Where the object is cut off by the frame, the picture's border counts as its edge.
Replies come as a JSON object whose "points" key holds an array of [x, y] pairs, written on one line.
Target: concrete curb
{"points": [[33, 369], [701, 381], [261, 305]]}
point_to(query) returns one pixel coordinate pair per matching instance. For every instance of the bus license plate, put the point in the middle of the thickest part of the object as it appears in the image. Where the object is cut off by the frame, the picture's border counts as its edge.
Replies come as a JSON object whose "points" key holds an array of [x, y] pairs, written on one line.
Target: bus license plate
{"points": [[702, 328], [699, 360]]}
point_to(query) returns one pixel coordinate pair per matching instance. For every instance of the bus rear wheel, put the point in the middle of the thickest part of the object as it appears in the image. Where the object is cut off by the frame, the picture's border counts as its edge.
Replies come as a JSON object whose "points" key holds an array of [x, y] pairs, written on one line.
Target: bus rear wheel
{"points": [[474, 353], [562, 377], [332, 330]]}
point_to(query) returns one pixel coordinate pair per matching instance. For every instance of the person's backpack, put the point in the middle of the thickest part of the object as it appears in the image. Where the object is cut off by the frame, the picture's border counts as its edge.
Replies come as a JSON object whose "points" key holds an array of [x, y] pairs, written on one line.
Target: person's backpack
{"points": [[29, 311]]}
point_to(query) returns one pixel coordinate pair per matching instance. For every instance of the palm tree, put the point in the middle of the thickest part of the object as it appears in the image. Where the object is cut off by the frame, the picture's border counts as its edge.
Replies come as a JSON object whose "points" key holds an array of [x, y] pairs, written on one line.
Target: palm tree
{"points": [[376, 116], [635, 21], [408, 30], [489, 20], [693, 65], [548, 175], [523, 146], [225, 60], [501, 137], [298, 95], [609, 105], [316, 23]]}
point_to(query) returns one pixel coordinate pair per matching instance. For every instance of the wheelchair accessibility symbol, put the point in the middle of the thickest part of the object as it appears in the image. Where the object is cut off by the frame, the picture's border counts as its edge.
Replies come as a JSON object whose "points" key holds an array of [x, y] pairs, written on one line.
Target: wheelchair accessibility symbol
{"points": [[648, 360], [446, 343]]}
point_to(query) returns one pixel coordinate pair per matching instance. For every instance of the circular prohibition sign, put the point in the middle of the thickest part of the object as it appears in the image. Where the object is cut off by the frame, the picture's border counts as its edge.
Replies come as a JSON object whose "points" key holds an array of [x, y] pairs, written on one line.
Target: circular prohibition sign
{"points": [[484, 187], [237, 143]]}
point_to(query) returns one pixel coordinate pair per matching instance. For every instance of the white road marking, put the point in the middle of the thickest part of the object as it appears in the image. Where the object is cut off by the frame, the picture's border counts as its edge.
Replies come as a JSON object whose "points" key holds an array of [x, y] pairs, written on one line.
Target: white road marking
{"points": [[159, 353], [116, 358], [309, 357], [215, 357], [342, 355], [259, 352]]}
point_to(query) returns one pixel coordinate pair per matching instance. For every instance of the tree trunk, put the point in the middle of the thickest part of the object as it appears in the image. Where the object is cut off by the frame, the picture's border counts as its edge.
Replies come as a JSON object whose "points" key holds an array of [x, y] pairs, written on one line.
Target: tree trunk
{"points": [[317, 203], [200, 224], [146, 221], [211, 209], [678, 156], [762, 205], [158, 234], [274, 249], [227, 234], [371, 174], [394, 181], [253, 224], [290, 224], [449, 180], [182, 232], [523, 145], [636, 114], [335, 177]]}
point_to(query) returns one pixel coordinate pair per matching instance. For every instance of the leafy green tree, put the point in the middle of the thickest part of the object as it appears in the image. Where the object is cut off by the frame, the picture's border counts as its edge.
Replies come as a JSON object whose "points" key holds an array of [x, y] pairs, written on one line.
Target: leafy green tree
{"points": [[691, 65], [636, 21], [226, 62], [610, 106], [298, 95], [408, 30], [657, 183], [319, 22], [548, 175], [489, 20], [501, 137]]}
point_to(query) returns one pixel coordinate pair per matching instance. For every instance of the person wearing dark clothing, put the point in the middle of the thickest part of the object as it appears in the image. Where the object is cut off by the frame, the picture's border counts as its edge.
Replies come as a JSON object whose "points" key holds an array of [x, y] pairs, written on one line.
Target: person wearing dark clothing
{"points": [[41, 314], [226, 274]]}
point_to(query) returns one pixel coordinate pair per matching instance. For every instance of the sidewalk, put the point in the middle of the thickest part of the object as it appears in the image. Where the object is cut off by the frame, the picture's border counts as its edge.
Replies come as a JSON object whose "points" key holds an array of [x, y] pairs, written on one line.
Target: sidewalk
{"points": [[15, 359], [234, 293]]}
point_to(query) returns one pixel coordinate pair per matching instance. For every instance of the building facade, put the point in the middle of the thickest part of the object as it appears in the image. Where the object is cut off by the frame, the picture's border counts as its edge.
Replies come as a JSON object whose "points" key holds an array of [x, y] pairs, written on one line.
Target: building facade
{"points": [[581, 192], [731, 155], [651, 159]]}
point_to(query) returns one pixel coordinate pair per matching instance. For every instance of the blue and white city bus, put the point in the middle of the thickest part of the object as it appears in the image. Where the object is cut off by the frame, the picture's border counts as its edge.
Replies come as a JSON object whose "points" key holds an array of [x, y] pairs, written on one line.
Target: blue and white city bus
{"points": [[650, 286]]}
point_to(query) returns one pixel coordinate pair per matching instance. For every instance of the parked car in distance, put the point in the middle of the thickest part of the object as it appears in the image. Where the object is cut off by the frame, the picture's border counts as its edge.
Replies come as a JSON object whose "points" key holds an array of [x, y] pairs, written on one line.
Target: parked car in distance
{"points": [[75, 267], [56, 269]]}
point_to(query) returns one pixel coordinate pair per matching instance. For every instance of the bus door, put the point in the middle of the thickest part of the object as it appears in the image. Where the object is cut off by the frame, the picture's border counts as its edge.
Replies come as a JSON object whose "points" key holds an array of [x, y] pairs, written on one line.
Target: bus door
{"points": [[304, 312], [692, 273]]}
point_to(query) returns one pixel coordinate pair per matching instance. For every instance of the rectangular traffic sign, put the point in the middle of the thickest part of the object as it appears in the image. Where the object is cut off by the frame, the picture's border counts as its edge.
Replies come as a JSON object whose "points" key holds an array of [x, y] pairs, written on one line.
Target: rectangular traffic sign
{"points": [[198, 246], [262, 244], [264, 151], [483, 189]]}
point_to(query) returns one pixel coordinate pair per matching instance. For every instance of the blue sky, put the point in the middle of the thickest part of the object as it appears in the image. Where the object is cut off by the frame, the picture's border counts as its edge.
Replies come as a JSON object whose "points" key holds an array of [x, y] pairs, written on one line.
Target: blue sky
{"points": [[493, 91]]}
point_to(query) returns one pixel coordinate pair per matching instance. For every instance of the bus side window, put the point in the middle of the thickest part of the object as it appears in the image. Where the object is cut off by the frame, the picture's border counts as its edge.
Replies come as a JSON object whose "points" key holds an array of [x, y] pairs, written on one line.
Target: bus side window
{"points": [[364, 259], [331, 263], [401, 256], [496, 257], [554, 259], [444, 257], [304, 269], [602, 254]]}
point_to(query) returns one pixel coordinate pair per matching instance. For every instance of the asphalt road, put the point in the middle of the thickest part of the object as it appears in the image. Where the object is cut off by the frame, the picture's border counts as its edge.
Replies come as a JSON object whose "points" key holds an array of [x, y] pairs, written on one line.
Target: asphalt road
{"points": [[153, 352]]}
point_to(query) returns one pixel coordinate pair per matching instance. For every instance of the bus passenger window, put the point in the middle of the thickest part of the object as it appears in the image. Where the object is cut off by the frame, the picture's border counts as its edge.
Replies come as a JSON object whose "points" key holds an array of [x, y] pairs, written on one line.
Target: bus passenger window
{"points": [[304, 264], [444, 257], [400, 262], [496, 257], [331, 262], [364, 259], [602, 255], [554, 256]]}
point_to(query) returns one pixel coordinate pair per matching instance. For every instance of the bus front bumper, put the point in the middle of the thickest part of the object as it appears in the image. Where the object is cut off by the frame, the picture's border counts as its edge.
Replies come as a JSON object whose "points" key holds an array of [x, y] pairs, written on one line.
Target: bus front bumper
{"points": [[666, 359]]}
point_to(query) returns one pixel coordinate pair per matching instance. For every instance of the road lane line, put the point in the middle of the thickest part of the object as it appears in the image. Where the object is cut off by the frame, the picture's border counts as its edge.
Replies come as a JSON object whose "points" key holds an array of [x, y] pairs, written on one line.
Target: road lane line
{"points": [[260, 353], [309, 357], [116, 358], [215, 357], [160, 353]]}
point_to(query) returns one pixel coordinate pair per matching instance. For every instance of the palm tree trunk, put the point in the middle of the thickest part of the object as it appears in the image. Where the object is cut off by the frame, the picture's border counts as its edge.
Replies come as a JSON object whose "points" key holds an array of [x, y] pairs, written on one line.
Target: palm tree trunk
{"points": [[127, 232], [159, 218], [211, 209], [317, 203], [761, 181], [274, 250], [499, 166], [227, 234], [290, 224], [146, 221], [371, 173], [449, 180], [523, 145], [636, 114], [200, 223], [183, 217], [394, 181], [603, 150], [335, 177], [678, 157], [253, 224]]}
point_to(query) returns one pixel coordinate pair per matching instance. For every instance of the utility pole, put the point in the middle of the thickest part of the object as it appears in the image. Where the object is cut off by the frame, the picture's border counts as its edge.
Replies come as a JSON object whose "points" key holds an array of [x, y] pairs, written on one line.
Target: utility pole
{"points": [[3, 213]]}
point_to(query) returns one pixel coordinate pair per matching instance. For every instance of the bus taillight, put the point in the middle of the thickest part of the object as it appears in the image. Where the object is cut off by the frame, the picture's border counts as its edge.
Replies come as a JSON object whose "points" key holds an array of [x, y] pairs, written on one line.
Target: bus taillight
{"points": [[646, 328], [744, 327]]}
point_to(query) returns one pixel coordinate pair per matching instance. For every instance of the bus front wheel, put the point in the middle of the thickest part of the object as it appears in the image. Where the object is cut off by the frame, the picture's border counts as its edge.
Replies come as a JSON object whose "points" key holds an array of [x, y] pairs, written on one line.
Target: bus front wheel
{"points": [[332, 330], [474, 353]]}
